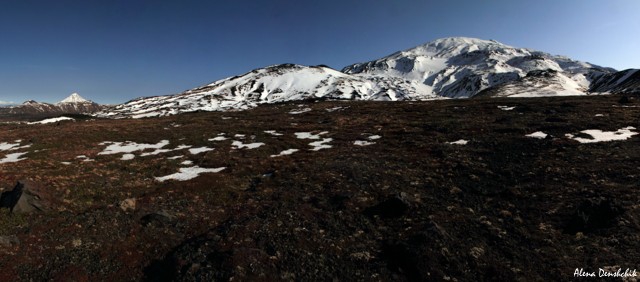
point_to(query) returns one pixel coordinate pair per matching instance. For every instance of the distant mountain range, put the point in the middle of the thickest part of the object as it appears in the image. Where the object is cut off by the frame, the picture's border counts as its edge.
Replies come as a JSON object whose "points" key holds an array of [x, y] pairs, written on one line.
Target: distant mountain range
{"points": [[456, 67], [74, 104]]}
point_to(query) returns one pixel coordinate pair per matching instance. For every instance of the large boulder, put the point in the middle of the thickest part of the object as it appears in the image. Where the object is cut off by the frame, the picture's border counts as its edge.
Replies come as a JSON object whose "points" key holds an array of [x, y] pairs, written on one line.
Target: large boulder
{"points": [[26, 197]]}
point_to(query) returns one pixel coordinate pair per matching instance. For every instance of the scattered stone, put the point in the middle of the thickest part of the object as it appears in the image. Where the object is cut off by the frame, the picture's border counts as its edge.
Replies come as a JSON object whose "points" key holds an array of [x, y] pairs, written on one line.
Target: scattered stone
{"points": [[26, 197], [476, 252], [159, 218], [128, 204]]}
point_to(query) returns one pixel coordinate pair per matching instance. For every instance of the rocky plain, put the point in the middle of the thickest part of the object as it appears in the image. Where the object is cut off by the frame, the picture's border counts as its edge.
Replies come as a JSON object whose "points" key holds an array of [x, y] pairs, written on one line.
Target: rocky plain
{"points": [[522, 189]]}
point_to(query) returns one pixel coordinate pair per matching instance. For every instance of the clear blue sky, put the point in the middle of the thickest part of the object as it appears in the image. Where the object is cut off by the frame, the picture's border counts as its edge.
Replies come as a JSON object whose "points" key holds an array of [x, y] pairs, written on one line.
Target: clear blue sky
{"points": [[111, 51]]}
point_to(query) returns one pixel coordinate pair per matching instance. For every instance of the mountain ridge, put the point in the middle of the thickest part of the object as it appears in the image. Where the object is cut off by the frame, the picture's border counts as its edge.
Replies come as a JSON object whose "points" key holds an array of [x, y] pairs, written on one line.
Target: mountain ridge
{"points": [[453, 67], [31, 109]]}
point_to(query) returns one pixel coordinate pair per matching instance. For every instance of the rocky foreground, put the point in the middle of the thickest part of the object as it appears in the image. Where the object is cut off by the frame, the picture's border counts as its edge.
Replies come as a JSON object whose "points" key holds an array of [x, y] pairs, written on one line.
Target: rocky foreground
{"points": [[466, 190]]}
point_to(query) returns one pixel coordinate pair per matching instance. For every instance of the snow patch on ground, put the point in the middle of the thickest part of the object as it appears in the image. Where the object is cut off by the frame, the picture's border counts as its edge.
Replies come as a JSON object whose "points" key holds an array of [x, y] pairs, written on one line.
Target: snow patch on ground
{"points": [[537, 134], [127, 157], [605, 136], [195, 151], [160, 151], [187, 173], [319, 145], [330, 110], [85, 158], [285, 152], [363, 143], [459, 142], [506, 108], [273, 132], [187, 162], [4, 146], [240, 145], [218, 138], [309, 135], [129, 147], [297, 112], [12, 158]]}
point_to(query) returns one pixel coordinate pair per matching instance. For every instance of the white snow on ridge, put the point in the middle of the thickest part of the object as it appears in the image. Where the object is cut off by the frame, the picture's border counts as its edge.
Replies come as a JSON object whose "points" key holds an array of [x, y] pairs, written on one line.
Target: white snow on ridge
{"points": [[605, 136], [51, 120], [187, 173]]}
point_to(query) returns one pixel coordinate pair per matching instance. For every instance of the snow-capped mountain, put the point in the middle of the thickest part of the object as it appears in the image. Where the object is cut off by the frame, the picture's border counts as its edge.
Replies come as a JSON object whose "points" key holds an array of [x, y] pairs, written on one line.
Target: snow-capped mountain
{"points": [[456, 67], [74, 98], [274, 84], [74, 104], [460, 67]]}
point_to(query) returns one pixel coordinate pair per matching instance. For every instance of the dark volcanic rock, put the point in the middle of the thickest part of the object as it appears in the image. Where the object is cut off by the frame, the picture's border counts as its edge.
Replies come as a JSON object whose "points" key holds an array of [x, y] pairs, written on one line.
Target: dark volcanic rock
{"points": [[593, 215], [157, 218], [26, 197], [393, 207]]}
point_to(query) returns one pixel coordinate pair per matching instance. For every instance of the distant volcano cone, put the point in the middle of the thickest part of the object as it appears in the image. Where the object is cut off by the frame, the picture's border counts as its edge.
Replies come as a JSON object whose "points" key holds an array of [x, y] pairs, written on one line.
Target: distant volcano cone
{"points": [[75, 98]]}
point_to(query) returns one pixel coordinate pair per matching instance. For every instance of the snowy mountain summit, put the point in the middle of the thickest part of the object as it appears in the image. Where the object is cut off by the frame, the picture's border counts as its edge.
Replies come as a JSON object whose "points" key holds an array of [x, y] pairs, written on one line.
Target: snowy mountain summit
{"points": [[74, 98], [460, 67], [455, 67]]}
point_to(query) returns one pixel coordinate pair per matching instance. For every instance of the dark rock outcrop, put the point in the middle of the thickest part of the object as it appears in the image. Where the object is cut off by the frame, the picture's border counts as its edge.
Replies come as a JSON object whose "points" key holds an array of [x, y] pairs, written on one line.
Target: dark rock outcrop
{"points": [[26, 197]]}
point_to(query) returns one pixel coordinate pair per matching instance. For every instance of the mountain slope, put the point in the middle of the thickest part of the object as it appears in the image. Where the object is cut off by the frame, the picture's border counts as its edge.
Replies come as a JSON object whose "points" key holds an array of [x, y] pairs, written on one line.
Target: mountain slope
{"points": [[627, 81], [456, 67], [274, 84], [460, 67]]}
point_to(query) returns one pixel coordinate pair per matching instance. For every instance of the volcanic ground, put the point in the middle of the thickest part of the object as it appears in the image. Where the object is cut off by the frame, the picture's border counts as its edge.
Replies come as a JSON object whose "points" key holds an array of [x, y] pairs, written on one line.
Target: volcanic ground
{"points": [[467, 190]]}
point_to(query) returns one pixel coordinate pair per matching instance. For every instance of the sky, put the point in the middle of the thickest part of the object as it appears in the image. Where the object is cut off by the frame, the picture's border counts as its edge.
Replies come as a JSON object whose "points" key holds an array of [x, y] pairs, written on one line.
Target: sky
{"points": [[112, 51]]}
